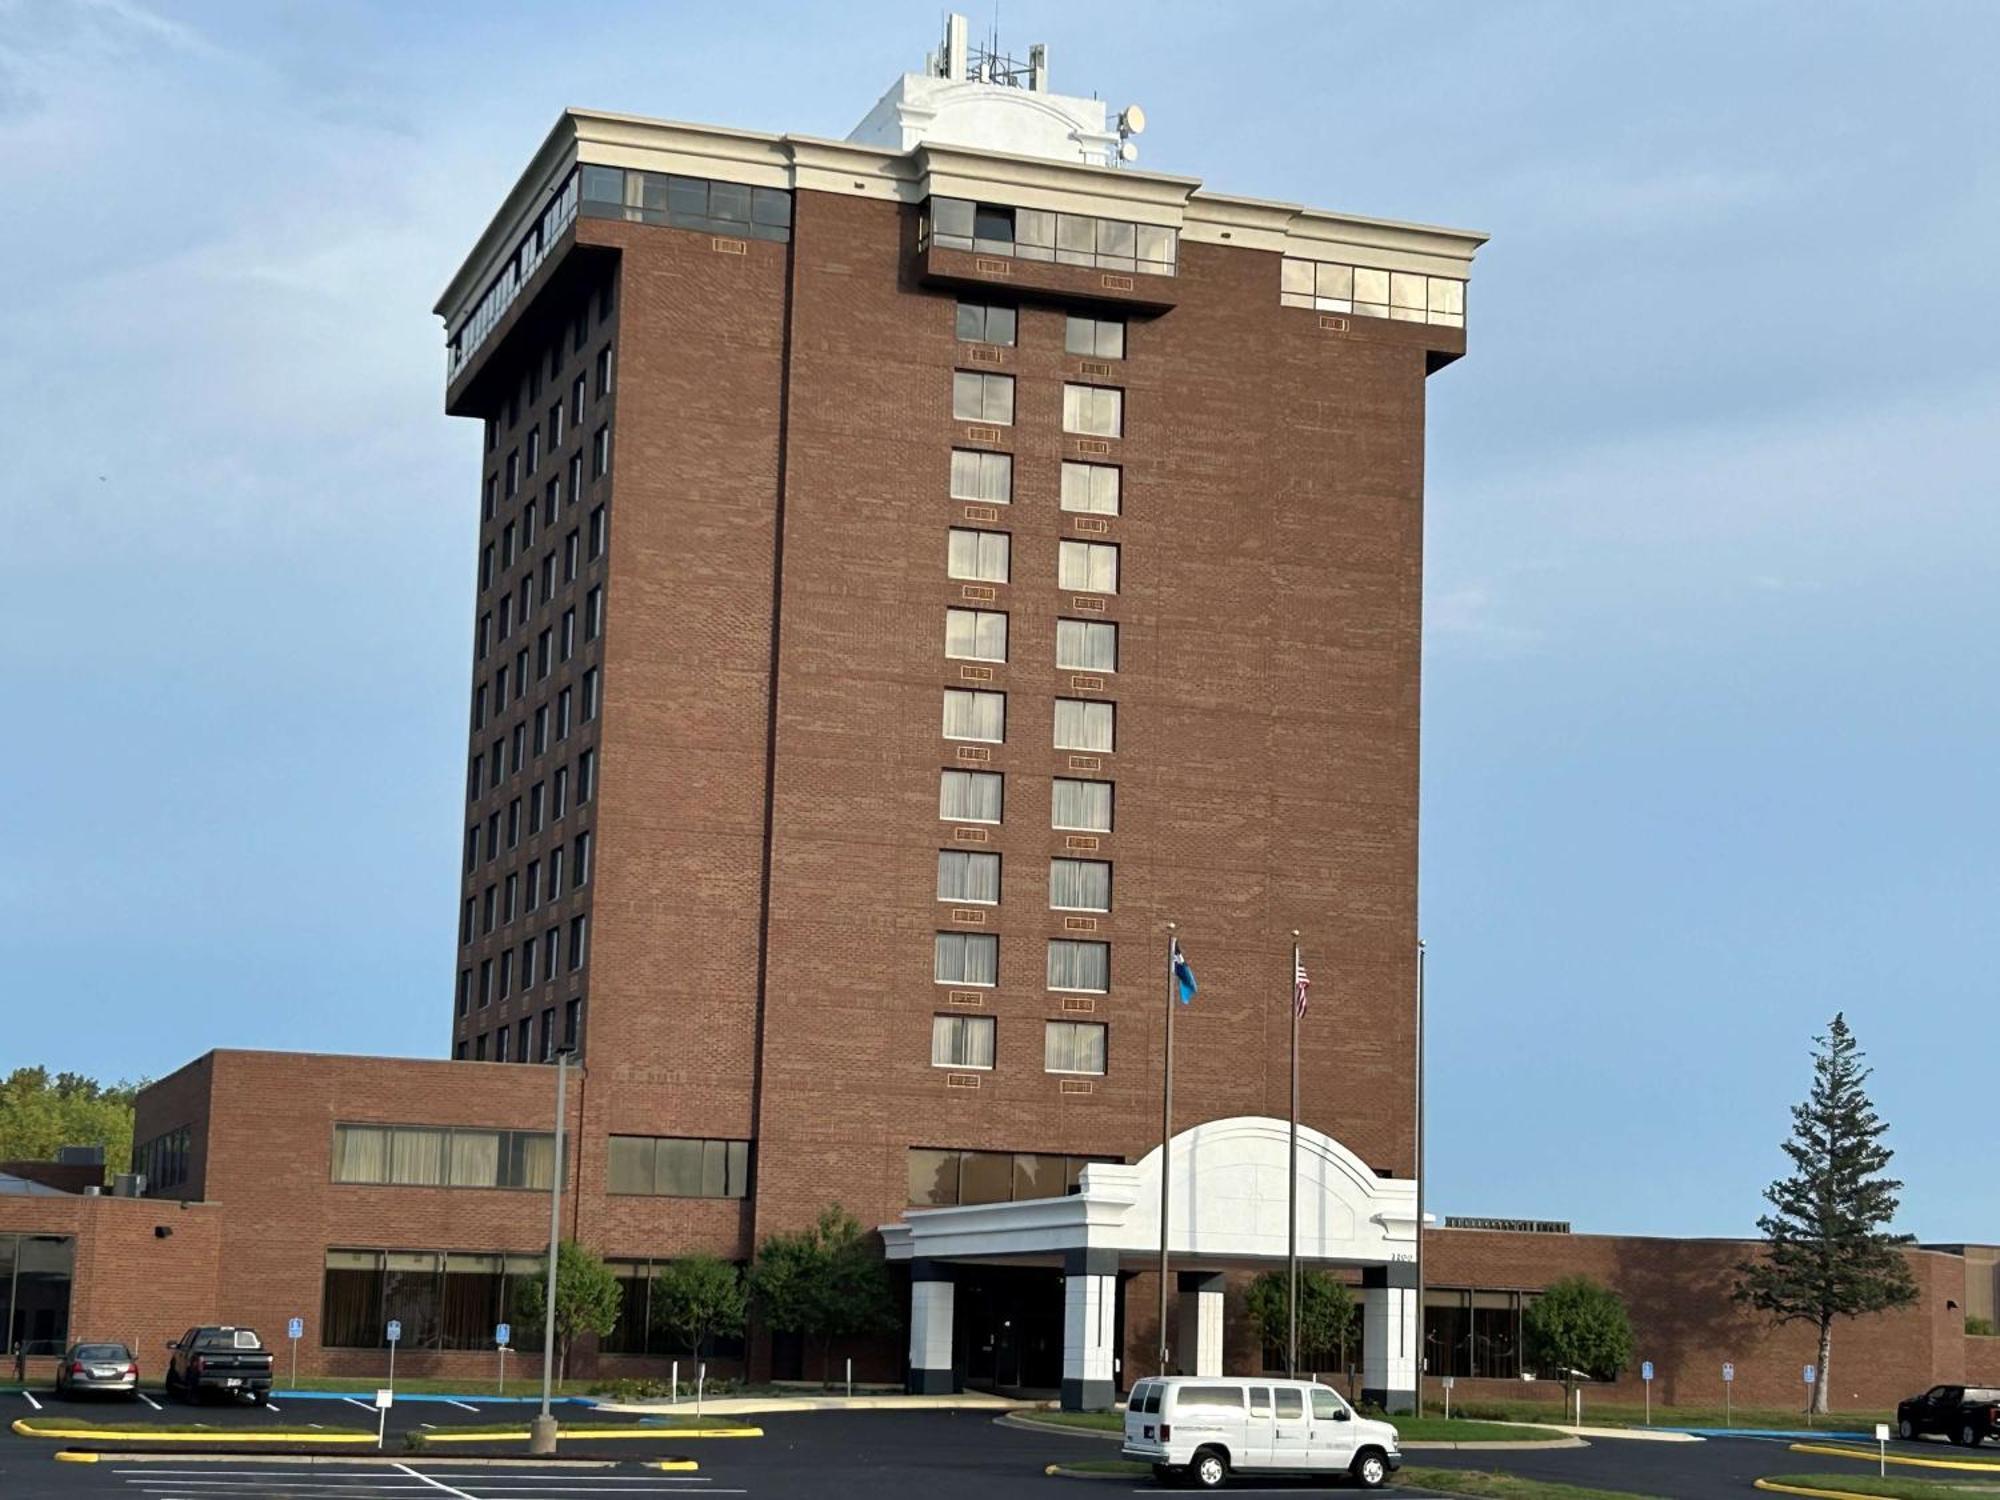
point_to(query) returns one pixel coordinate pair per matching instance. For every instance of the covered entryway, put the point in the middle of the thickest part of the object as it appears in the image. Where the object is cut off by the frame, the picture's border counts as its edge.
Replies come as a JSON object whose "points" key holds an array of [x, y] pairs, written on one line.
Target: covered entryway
{"points": [[1228, 1210]]}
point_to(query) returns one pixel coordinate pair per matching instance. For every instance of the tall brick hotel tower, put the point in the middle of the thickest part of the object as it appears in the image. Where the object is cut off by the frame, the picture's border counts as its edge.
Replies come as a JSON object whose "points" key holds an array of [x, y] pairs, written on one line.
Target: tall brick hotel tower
{"points": [[913, 571]]}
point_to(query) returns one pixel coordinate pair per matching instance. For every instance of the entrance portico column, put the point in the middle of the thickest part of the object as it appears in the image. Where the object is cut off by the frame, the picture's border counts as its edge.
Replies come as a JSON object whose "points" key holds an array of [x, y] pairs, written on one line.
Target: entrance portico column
{"points": [[932, 1303], [1090, 1319], [1389, 1335], [1201, 1322]]}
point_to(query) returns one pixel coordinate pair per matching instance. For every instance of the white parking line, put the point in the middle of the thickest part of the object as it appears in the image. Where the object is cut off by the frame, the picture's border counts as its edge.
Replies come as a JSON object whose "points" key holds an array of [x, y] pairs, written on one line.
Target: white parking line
{"points": [[450, 1402], [270, 1405], [368, 1405], [29, 1398], [149, 1401], [436, 1483]]}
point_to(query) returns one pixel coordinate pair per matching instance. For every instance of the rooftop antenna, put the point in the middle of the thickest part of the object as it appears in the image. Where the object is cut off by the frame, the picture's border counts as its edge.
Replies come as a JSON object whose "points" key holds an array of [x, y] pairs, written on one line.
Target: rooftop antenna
{"points": [[1131, 122]]}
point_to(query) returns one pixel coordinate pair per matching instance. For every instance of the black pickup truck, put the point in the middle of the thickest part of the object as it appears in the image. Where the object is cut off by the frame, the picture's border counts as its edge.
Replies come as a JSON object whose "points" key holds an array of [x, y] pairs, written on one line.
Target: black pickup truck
{"points": [[1968, 1415], [228, 1361]]}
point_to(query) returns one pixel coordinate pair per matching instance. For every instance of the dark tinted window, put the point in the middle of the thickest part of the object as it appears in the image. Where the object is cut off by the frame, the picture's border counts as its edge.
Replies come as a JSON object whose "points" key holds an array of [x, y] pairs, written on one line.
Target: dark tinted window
{"points": [[109, 1353], [1216, 1400]]}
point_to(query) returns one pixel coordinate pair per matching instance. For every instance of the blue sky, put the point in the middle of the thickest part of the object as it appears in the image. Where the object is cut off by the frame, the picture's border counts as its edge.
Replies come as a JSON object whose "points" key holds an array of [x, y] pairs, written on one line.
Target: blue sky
{"points": [[1710, 692]]}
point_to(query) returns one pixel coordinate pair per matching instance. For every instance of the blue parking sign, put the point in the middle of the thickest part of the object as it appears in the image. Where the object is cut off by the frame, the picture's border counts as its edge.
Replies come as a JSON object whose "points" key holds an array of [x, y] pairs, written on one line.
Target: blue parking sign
{"points": [[395, 1331], [1646, 1370], [1812, 1373], [504, 1335], [296, 1329]]}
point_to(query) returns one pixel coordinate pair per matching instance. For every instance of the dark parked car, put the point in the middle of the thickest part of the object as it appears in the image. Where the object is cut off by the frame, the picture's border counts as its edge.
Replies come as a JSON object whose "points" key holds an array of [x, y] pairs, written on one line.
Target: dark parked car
{"points": [[1968, 1415], [232, 1361], [109, 1368]]}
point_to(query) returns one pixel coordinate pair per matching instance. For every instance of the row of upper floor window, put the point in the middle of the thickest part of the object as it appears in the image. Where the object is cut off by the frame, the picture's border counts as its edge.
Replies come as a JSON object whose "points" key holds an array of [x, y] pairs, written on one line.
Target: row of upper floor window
{"points": [[541, 960], [681, 202], [1078, 965], [1075, 805], [526, 394], [516, 1042], [523, 892], [165, 1160], [999, 323], [459, 1156], [1045, 235], [518, 468], [980, 556], [972, 877], [980, 714], [981, 635], [508, 755], [528, 253], [516, 542], [1403, 296], [1068, 1047], [555, 645], [988, 477], [1088, 410], [942, 1177]]}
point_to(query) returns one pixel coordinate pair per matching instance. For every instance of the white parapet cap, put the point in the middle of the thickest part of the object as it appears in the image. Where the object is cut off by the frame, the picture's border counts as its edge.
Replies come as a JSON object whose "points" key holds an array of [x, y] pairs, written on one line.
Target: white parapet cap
{"points": [[937, 168]]}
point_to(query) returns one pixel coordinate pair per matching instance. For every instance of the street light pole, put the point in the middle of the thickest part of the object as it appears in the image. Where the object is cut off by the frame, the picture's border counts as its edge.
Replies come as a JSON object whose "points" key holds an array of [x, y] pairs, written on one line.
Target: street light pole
{"points": [[542, 1431], [1422, 1346]]}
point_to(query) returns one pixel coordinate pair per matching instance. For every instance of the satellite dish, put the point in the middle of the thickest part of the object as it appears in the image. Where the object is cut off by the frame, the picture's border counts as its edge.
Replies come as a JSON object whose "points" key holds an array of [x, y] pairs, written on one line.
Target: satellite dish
{"points": [[1133, 121], [1127, 151]]}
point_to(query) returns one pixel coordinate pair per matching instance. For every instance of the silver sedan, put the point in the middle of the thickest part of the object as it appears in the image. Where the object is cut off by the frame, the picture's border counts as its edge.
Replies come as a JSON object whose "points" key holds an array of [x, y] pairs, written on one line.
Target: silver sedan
{"points": [[109, 1368]]}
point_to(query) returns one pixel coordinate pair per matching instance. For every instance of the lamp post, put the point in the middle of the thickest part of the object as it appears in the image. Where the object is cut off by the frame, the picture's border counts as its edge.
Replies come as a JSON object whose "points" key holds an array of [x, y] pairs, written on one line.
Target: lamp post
{"points": [[1421, 1346], [542, 1431]]}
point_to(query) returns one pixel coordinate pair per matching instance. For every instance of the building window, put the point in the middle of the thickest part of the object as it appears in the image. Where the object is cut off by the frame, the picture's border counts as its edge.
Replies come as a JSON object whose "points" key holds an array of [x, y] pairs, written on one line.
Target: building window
{"points": [[975, 634], [944, 1178], [576, 458], [549, 1021], [672, 1167], [485, 634], [531, 895], [432, 1156], [1079, 885], [513, 473], [1087, 645], [506, 970], [1094, 410], [568, 634], [973, 715], [600, 452], [500, 1034], [966, 958], [527, 978], [1087, 567], [597, 532], [542, 730], [551, 954], [1077, 965], [1083, 806], [586, 776], [563, 701], [962, 1042], [485, 982], [1473, 1333], [488, 505], [572, 554], [558, 805], [979, 397], [1040, 234], [479, 1047], [1084, 725], [572, 1023], [513, 885], [968, 876], [1073, 1047], [443, 1301], [576, 394], [987, 477], [593, 608], [534, 458], [545, 652], [579, 933], [590, 695], [464, 991], [698, 203], [985, 323], [581, 862], [1096, 338], [603, 373], [1091, 488], [970, 796], [980, 555]]}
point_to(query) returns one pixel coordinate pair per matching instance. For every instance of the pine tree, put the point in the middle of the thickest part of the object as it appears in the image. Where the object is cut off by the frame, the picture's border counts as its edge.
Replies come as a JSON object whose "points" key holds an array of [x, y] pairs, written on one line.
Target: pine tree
{"points": [[1827, 1253]]}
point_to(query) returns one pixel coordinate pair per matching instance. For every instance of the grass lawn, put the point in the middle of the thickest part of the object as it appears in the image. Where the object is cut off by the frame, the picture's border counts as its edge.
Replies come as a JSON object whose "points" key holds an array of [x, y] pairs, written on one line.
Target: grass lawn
{"points": [[1410, 1429], [1444, 1481], [500, 1432], [1602, 1413], [429, 1385], [1894, 1487], [80, 1424]]}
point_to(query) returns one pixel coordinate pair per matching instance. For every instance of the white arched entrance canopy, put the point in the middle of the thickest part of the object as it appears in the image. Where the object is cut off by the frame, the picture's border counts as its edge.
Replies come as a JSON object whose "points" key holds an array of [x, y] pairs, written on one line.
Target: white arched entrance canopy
{"points": [[1227, 1211]]}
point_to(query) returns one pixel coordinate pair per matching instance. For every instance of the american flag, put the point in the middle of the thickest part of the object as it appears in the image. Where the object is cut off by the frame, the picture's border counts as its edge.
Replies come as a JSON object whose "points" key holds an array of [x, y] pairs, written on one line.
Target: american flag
{"points": [[1300, 985]]}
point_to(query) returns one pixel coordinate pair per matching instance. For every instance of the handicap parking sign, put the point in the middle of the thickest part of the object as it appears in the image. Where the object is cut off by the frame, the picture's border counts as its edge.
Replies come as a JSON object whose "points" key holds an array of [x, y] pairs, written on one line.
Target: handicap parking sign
{"points": [[395, 1331], [1728, 1373], [1646, 1370], [504, 1335], [1812, 1373], [296, 1329]]}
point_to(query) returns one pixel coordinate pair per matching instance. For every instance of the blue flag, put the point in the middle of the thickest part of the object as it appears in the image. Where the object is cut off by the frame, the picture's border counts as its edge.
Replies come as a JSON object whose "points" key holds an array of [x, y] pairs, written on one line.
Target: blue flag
{"points": [[1183, 974]]}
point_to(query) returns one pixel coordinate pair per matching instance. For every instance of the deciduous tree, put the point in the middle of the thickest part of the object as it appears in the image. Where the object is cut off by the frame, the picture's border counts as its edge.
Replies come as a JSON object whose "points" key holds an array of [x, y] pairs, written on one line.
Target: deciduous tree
{"points": [[588, 1300], [825, 1283], [696, 1298]]}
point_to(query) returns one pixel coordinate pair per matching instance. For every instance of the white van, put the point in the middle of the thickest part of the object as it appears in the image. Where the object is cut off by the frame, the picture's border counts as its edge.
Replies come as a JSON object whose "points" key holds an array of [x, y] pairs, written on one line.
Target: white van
{"points": [[1201, 1428]]}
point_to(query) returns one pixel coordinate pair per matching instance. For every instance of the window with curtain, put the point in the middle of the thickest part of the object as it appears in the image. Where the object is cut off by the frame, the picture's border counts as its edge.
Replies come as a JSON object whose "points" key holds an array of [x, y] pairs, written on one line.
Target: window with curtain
{"points": [[1073, 1047], [471, 1304], [985, 323], [475, 1157], [970, 714], [351, 1311], [975, 634], [444, 1300], [433, 1156], [1080, 805], [966, 958], [1091, 488], [416, 1157], [962, 1042], [1077, 965], [978, 555], [963, 875], [360, 1153], [411, 1295], [680, 1167], [942, 1178], [970, 796], [1087, 645], [987, 477], [1095, 338], [977, 397], [1083, 725], [1092, 410], [1079, 884], [1088, 567], [628, 1334]]}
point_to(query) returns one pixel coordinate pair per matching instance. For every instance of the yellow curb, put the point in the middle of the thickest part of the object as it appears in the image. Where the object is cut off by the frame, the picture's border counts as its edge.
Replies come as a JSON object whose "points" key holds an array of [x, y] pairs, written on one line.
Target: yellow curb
{"points": [[1792, 1489], [592, 1434], [104, 1435], [1916, 1463], [675, 1465], [67, 1457]]}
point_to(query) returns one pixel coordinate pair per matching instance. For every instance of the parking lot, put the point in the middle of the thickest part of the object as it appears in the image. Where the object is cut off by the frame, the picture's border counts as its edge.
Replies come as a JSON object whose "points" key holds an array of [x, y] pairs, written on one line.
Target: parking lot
{"points": [[965, 1455]]}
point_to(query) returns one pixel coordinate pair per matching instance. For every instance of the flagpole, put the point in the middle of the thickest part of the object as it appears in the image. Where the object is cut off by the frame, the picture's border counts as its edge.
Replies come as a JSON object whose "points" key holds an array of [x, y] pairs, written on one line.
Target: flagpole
{"points": [[1292, 1186], [1166, 1141]]}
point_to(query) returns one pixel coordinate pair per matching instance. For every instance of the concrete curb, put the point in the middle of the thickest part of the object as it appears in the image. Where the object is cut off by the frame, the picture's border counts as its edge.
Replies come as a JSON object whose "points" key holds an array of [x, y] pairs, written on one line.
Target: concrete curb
{"points": [[1775, 1488], [107, 1435], [1625, 1434], [589, 1434], [743, 1406], [1871, 1455], [368, 1460]]}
